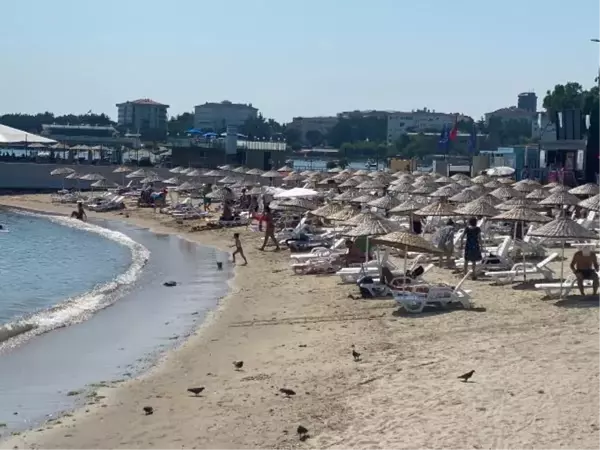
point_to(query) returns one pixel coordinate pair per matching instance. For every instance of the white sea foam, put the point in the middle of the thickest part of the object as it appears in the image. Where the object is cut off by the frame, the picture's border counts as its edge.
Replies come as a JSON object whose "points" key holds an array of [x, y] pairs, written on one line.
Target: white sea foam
{"points": [[79, 308]]}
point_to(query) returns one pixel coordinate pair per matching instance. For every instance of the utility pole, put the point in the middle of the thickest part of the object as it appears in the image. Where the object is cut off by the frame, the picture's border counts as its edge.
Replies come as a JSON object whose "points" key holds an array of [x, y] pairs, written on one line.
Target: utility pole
{"points": [[598, 78]]}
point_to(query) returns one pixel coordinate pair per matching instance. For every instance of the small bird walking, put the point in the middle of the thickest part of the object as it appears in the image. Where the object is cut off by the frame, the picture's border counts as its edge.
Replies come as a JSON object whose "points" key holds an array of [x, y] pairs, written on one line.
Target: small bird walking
{"points": [[355, 354], [465, 376], [302, 433], [287, 392], [196, 391], [148, 410], [238, 364]]}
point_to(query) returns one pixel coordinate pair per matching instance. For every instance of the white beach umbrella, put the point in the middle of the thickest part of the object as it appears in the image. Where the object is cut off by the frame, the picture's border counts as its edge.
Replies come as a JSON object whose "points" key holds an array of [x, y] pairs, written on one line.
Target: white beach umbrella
{"points": [[297, 192]]}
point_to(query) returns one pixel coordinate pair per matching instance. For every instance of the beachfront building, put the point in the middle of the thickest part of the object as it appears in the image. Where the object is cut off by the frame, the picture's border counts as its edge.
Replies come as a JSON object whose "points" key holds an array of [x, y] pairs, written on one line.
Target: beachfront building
{"points": [[90, 135], [218, 116], [144, 115], [307, 125], [421, 121]]}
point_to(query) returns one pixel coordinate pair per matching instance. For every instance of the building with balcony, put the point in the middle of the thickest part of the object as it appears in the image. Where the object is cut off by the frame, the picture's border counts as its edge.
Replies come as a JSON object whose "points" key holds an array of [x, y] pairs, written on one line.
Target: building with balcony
{"points": [[218, 116], [143, 115], [399, 123]]}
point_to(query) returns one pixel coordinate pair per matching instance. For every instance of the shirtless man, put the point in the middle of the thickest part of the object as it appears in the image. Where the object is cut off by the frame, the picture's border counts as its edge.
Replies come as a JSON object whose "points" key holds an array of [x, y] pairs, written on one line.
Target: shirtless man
{"points": [[585, 265]]}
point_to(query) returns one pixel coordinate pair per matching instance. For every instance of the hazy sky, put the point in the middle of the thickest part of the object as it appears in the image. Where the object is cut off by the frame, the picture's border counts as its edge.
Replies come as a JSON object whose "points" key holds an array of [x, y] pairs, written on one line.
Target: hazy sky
{"points": [[291, 57]]}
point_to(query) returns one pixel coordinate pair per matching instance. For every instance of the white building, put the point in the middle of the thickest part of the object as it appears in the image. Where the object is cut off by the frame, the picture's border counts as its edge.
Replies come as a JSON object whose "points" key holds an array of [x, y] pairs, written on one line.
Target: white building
{"points": [[322, 124], [143, 114], [218, 116], [399, 123]]}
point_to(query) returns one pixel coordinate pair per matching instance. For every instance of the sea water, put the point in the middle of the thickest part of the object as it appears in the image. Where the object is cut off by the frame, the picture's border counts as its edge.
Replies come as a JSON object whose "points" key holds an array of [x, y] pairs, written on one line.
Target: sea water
{"points": [[107, 315], [55, 271]]}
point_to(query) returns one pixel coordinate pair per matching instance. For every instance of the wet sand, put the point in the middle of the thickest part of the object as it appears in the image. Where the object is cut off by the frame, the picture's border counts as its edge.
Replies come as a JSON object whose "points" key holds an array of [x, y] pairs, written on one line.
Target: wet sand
{"points": [[535, 386]]}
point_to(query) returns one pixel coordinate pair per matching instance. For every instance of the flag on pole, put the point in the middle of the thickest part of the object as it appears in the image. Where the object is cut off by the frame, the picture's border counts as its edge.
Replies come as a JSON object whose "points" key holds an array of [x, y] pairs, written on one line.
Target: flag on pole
{"points": [[454, 130], [444, 141], [473, 139]]}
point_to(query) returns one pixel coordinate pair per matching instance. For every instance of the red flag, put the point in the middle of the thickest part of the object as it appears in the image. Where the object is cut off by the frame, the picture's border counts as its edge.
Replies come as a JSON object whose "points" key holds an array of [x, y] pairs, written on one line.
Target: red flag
{"points": [[454, 130]]}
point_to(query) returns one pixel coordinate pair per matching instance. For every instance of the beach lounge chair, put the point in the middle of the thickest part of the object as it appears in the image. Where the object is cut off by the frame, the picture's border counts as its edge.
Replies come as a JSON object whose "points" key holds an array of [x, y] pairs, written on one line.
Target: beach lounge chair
{"points": [[374, 287], [529, 268], [320, 252], [415, 298], [565, 286], [370, 268], [328, 264]]}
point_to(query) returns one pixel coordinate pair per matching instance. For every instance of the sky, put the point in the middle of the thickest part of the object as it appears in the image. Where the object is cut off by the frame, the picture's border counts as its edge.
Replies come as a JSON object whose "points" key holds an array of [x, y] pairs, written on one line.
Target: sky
{"points": [[292, 57]]}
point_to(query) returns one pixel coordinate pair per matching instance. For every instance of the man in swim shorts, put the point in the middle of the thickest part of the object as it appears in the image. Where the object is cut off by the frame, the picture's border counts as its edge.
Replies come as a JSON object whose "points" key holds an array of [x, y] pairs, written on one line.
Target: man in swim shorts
{"points": [[585, 267]]}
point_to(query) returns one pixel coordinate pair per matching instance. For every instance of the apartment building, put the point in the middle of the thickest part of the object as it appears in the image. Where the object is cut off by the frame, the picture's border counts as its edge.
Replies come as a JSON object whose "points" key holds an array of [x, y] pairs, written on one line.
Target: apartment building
{"points": [[218, 116], [322, 124], [399, 123], [142, 114]]}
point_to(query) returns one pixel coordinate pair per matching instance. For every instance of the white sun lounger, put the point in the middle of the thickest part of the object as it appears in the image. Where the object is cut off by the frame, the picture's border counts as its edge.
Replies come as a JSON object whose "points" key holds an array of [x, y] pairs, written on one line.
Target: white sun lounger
{"points": [[529, 268], [320, 252], [328, 264], [377, 289], [414, 301], [565, 286], [371, 268]]}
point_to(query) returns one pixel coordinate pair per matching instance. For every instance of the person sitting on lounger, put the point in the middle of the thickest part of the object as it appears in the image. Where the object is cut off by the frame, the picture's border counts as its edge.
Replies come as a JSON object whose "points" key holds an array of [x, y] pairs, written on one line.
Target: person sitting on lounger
{"points": [[585, 267]]}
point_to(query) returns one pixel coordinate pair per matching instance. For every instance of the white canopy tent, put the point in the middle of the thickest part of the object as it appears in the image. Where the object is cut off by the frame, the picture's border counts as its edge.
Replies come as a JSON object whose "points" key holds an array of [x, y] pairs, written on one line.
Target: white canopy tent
{"points": [[10, 135]]}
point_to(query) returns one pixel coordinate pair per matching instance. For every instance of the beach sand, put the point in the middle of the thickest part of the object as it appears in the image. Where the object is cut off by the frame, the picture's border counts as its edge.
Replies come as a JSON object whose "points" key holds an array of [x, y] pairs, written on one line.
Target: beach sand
{"points": [[535, 386]]}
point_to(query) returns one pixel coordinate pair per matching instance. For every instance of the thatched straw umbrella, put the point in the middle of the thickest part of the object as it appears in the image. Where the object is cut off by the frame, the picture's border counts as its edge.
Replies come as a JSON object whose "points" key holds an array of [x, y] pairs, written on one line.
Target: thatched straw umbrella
{"points": [[521, 214], [477, 208], [481, 179], [285, 168], [440, 208], [255, 172], [347, 195], [444, 180], [350, 183], [563, 228], [466, 182], [424, 189], [525, 187], [505, 193], [464, 196], [538, 194], [506, 181], [104, 184], [559, 188], [371, 185], [366, 198], [385, 202], [344, 214], [585, 189], [518, 202], [560, 199], [327, 210], [460, 176], [592, 203], [62, 171], [401, 188], [494, 184]]}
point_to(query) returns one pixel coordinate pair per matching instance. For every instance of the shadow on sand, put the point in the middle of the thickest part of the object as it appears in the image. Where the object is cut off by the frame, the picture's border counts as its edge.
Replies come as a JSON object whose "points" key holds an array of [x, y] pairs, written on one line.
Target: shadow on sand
{"points": [[434, 311], [579, 301]]}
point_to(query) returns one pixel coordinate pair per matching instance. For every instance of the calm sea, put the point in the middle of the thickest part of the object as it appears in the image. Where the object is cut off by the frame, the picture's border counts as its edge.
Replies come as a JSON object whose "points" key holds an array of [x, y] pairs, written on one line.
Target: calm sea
{"points": [[57, 331]]}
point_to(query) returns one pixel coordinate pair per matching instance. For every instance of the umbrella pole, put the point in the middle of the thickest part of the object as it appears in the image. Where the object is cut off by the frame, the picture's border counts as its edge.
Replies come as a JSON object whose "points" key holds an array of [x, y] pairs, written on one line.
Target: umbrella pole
{"points": [[405, 265], [562, 267], [523, 254]]}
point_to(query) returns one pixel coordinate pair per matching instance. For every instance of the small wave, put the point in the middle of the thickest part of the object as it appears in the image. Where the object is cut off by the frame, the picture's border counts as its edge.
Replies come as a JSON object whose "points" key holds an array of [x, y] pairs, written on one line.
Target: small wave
{"points": [[14, 329], [79, 308]]}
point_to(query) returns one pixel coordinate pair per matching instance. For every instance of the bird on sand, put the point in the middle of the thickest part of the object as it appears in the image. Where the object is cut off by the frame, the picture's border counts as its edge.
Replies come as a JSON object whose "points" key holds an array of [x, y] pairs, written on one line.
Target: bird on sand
{"points": [[287, 392], [355, 354], [238, 364], [465, 376], [148, 410], [196, 391], [302, 433]]}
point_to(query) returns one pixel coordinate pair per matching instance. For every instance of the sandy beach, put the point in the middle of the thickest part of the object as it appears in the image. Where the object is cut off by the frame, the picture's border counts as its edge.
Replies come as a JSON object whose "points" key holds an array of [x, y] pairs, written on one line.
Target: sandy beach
{"points": [[536, 365]]}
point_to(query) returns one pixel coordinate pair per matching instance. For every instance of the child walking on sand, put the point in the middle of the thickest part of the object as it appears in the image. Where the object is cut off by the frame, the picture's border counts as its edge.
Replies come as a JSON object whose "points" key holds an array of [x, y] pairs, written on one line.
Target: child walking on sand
{"points": [[238, 248]]}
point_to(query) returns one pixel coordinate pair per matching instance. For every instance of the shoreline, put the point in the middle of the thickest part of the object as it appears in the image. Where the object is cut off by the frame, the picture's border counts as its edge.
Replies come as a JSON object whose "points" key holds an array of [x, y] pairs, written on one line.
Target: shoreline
{"points": [[536, 382], [58, 433]]}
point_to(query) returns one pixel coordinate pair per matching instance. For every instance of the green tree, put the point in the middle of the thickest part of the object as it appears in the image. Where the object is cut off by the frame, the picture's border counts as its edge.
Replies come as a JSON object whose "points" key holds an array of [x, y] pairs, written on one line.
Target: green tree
{"points": [[180, 123], [292, 137], [314, 138], [564, 96], [356, 129]]}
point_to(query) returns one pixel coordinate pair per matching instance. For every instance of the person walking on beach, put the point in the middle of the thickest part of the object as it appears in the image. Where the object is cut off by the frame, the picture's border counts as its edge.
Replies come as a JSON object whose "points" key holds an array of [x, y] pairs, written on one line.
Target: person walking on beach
{"points": [[473, 245], [80, 213], [267, 218], [585, 267], [238, 248], [444, 240]]}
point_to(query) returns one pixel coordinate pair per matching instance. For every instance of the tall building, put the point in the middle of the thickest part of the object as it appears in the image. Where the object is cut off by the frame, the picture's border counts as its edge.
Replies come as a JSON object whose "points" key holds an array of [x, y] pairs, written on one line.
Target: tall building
{"points": [[218, 116], [143, 114], [399, 123], [527, 101]]}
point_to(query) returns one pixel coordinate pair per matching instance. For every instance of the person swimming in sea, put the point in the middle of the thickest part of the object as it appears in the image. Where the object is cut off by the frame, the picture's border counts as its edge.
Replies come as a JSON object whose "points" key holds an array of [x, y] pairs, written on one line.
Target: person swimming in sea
{"points": [[80, 213]]}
